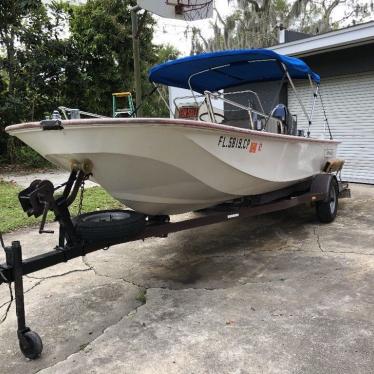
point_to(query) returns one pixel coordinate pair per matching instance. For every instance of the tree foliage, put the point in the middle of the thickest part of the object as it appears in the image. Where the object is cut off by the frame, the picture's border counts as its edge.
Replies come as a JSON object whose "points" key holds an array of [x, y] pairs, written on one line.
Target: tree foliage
{"points": [[55, 53], [101, 35], [255, 23]]}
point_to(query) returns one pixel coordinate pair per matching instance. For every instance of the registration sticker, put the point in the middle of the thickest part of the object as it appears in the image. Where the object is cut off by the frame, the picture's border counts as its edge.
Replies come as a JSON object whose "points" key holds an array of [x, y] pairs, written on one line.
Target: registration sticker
{"points": [[254, 147]]}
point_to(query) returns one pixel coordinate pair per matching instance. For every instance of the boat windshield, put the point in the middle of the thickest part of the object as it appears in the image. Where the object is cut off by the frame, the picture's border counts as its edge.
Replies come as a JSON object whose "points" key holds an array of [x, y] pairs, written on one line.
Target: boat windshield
{"points": [[242, 108]]}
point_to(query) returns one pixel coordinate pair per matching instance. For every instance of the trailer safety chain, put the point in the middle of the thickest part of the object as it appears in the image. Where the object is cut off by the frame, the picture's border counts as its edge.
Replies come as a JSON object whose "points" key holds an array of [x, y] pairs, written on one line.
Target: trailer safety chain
{"points": [[80, 206]]}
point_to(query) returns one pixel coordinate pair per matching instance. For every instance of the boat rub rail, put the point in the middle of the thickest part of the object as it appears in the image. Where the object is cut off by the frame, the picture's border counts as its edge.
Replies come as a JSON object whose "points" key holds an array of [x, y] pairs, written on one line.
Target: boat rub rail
{"points": [[166, 122]]}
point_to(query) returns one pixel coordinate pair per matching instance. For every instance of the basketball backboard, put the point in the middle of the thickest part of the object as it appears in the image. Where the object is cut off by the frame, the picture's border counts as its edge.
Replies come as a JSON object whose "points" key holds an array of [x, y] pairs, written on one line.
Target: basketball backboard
{"points": [[187, 10]]}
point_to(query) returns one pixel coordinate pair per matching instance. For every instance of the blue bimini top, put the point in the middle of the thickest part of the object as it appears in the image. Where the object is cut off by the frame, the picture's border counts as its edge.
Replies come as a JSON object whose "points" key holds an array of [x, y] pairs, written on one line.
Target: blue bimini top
{"points": [[219, 70]]}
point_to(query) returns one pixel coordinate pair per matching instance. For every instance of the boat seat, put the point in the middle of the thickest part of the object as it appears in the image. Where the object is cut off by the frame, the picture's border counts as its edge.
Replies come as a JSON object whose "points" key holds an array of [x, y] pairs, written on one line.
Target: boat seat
{"points": [[274, 125], [289, 124]]}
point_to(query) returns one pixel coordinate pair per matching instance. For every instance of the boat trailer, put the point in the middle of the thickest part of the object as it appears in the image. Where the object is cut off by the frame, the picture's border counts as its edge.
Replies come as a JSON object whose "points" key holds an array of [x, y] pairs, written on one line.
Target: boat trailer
{"points": [[40, 198]]}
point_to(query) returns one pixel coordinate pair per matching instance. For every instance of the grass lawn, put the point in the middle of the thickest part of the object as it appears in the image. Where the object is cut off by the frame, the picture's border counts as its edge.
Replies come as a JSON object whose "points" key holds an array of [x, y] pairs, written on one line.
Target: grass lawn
{"points": [[13, 217]]}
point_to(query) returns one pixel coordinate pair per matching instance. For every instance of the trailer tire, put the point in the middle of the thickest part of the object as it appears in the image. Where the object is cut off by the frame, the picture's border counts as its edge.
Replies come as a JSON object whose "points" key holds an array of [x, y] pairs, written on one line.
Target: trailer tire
{"points": [[31, 344], [327, 209], [109, 226]]}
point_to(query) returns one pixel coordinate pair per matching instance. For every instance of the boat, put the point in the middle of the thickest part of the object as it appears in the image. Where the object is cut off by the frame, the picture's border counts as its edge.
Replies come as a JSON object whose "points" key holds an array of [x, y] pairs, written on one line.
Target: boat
{"points": [[195, 160]]}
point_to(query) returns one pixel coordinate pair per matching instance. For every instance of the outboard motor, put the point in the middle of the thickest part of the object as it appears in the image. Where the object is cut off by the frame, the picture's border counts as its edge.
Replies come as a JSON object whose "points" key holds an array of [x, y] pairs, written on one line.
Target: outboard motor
{"points": [[289, 123]]}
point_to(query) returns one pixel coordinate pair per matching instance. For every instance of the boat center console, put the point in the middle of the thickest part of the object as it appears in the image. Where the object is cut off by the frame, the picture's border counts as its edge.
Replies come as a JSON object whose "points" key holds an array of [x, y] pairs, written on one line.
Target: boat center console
{"points": [[242, 109]]}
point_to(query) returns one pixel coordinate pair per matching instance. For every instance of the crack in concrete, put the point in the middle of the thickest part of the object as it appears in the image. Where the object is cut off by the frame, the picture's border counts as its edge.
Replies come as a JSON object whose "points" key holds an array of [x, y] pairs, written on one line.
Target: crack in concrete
{"points": [[245, 254], [168, 288], [9, 302], [327, 251], [284, 248], [92, 267], [39, 281], [135, 310], [58, 275], [5, 316], [318, 240], [155, 288], [87, 345], [145, 288], [6, 303], [352, 253]]}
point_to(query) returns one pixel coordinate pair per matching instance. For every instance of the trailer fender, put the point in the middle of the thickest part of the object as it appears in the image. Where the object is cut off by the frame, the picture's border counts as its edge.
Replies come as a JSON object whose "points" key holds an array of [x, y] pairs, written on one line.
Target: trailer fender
{"points": [[321, 184]]}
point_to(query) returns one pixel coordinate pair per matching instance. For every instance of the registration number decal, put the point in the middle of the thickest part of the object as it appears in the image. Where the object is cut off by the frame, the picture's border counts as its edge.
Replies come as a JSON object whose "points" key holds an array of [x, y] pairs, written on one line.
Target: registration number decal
{"points": [[255, 147], [233, 142], [239, 143]]}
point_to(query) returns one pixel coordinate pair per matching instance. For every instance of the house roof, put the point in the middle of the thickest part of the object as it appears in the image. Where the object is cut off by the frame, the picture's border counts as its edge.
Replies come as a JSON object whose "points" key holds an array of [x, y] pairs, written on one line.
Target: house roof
{"points": [[333, 40]]}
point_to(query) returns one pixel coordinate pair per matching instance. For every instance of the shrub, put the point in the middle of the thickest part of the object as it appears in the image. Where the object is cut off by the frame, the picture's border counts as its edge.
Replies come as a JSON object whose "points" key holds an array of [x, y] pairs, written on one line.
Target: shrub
{"points": [[26, 156]]}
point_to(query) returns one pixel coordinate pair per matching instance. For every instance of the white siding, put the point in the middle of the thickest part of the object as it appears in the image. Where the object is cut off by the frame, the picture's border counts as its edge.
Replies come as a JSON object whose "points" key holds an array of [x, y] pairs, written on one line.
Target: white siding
{"points": [[349, 103]]}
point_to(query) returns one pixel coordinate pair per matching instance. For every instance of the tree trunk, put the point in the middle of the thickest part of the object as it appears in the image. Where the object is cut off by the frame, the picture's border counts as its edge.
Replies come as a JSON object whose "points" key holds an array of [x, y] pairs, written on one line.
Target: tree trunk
{"points": [[10, 51]]}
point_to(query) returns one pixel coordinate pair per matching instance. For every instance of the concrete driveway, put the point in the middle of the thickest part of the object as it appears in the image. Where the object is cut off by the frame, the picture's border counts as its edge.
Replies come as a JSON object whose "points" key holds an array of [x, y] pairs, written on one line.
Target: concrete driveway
{"points": [[279, 293]]}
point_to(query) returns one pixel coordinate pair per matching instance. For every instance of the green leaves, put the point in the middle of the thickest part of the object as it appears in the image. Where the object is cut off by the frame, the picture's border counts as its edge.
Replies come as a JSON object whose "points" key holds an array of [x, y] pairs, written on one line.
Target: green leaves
{"points": [[55, 53]]}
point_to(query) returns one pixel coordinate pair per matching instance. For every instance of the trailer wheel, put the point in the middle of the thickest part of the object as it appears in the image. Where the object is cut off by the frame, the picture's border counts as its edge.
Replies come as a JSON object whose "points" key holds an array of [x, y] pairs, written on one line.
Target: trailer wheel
{"points": [[327, 209], [109, 226], [30, 344]]}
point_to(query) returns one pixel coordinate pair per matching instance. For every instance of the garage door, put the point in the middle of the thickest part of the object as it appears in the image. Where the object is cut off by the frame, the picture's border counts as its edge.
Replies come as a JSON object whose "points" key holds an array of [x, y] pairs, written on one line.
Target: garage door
{"points": [[349, 103]]}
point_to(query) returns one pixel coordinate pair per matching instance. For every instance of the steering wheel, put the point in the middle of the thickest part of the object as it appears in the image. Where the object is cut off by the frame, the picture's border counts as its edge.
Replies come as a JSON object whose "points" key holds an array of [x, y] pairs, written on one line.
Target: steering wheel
{"points": [[215, 115]]}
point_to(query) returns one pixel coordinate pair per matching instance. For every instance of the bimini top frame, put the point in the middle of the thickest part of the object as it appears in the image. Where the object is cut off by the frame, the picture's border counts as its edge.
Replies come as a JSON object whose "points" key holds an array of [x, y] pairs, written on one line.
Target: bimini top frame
{"points": [[219, 70], [212, 72]]}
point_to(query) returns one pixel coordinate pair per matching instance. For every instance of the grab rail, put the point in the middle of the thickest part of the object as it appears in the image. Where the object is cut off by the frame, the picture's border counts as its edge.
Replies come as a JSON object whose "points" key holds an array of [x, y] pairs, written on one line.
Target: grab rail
{"points": [[65, 109], [246, 91], [217, 95]]}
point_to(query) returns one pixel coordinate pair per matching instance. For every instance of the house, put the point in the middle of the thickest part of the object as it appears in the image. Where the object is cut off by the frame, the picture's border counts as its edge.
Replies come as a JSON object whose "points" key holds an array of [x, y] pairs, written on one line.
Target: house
{"points": [[345, 61]]}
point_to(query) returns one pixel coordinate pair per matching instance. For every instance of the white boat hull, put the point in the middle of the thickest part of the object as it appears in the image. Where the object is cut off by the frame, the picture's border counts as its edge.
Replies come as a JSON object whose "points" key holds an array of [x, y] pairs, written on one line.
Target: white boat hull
{"points": [[162, 166]]}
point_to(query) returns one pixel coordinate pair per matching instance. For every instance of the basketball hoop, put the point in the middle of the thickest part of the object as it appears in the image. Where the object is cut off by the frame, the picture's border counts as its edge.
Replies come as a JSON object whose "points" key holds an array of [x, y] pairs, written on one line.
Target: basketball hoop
{"points": [[192, 10], [187, 10]]}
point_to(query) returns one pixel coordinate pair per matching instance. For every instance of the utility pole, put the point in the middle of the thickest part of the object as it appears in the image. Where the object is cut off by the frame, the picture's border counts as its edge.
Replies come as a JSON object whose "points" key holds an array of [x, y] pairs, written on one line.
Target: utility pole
{"points": [[136, 57]]}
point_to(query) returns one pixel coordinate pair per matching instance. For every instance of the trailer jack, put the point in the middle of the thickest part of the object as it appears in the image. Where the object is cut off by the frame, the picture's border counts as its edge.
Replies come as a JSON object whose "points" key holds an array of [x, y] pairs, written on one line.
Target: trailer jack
{"points": [[30, 342]]}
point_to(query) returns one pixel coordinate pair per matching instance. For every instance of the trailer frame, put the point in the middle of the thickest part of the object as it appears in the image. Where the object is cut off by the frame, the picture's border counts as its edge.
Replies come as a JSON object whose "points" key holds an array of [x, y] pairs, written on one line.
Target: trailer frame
{"points": [[40, 198]]}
